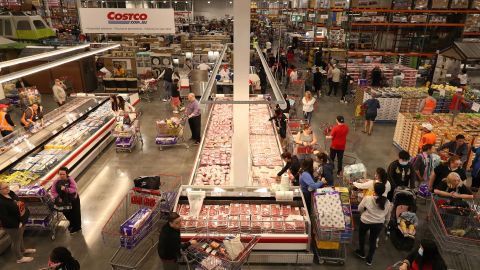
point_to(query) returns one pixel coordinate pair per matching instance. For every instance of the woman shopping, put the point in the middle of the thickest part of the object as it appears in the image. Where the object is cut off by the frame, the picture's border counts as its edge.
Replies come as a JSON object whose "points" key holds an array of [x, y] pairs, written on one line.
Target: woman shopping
{"points": [[31, 115], [425, 257], [66, 198], [374, 210], [308, 102], [305, 141], [307, 182], [292, 166], [61, 259], [381, 176], [453, 187], [13, 217], [372, 105]]}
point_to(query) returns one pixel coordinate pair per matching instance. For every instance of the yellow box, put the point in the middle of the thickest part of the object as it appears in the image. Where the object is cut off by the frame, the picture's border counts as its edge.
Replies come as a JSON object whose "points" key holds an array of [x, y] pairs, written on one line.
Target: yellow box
{"points": [[328, 245]]}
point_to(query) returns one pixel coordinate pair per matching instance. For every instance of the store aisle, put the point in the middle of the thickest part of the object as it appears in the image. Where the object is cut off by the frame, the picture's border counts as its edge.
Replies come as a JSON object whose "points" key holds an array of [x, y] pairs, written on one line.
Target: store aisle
{"points": [[109, 177]]}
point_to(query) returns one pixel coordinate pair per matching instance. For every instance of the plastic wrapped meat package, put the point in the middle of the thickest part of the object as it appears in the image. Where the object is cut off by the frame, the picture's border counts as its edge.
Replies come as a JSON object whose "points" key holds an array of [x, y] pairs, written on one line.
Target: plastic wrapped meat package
{"points": [[189, 223], [204, 210], [256, 209], [216, 156], [224, 209], [256, 223], [244, 209], [234, 209], [213, 175], [222, 221], [245, 223], [294, 223], [202, 222], [330, 212], [213, 210], [440, 4], [265, 176], [277, 224], [460, 4], [265, 208], [266, 224], [184, 210], [233, 223], [421, 4], [295, 211], [275, 210], [286, 210]]}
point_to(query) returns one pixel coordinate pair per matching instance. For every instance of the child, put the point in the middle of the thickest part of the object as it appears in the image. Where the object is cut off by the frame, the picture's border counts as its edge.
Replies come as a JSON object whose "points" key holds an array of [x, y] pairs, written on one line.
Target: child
{"points": [[407, 222], [175, 101]]}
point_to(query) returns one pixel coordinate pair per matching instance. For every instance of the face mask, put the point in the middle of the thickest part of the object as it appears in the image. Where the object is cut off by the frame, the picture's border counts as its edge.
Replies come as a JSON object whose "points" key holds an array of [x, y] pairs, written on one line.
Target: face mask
{"points": [[403, 163], [420, 251]]}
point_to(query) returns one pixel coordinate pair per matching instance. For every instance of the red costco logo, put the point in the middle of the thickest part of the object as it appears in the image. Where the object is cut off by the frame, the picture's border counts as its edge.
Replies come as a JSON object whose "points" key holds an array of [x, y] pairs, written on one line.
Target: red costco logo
{"points": [[127, 18]]}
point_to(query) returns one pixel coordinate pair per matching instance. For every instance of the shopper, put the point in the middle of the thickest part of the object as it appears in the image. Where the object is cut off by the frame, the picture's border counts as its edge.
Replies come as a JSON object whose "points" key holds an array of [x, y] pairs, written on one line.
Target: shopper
{"points": [[118, 71], [307, 182], [293, 74], [457, 147], [372, 105], [308, 102], [175, 101], [169, 242], [13, 216], [425, 257], [168, 76], [203, 66], [64, 193], [124, 105], [463, 77], [292, 166], [317, 82], [376, 76], [336, 74], [194, 118], [458, 102], [381, 176], [188, 66], [281, 124], [305, 140], [428, 104], [453, 187], [329, 78], [428, 136], [476, 170], [59, 94], [325, 168], [224, 73], [6, 124], [346, 85], [374, 210], [441, 172], [114, 103], [401, 172], [31, 115], [288, 106], [262, 75], [61, 259], [338, 136], [423, 164]]}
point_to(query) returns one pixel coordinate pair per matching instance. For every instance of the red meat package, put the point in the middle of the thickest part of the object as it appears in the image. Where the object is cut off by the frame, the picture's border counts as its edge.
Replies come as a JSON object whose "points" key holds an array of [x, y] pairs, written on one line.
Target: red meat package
{"points": [[266, 225], [256, 223], [234, 223], [295, 211], [275, 210], [255, 209], [245, 223], [184, 210], [189, 223], [244, 209], [222, 222], [266, 210], [212, 222], [224, 209], [213, 210], [286, 210], [234, 209], [277, 224], [204, 210], [202, 223]]}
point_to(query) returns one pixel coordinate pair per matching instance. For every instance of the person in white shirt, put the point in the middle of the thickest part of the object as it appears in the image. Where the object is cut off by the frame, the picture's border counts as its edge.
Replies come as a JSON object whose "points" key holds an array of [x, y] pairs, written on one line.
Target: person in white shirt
{"points": [[374, 211], [293, 74], [308, 101], [224, 73], [335, 80], [463, 77], [268, 45], [59, 92], [203, 66], [381, 176]]}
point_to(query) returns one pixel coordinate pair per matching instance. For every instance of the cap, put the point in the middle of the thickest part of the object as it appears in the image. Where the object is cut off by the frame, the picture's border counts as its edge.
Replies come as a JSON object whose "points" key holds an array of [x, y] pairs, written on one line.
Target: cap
{"points": [[459, 90], [340, 119], [427, 126], [3, 105]]}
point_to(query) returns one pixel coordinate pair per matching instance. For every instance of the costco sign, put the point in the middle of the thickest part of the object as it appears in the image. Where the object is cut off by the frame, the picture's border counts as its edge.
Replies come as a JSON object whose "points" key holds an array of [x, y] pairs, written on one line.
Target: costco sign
{"points": [[123, 21]]}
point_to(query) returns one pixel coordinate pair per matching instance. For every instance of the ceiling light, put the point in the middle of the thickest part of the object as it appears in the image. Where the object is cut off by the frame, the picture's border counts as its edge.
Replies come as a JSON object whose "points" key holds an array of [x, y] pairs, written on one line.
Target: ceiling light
{"points": [[208, 2], [29, 71], [41, 55]]}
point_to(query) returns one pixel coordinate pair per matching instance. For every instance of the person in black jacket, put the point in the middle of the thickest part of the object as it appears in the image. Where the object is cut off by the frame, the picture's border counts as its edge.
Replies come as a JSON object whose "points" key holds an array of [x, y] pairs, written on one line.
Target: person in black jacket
{"points": [[61, 259], [325, 168], [13, 217], [317, 82], [426, 256], [291, 163], [401, 173], [169, 243]]}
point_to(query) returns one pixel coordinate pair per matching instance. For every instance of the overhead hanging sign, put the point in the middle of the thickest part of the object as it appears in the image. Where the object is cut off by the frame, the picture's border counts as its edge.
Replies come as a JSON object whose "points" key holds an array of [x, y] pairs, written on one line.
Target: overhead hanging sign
{"points": [[130, 20]]}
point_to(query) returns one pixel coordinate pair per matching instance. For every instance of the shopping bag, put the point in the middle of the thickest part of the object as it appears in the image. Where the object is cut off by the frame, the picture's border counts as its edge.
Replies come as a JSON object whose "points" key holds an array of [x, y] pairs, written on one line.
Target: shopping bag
{"points": [[147, 182], [234, 247]]}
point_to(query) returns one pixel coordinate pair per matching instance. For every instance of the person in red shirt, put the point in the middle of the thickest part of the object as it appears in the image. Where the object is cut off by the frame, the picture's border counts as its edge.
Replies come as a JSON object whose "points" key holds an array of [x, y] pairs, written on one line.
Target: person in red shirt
{"points": [[339, 140], [425, 257], [458, 101]]}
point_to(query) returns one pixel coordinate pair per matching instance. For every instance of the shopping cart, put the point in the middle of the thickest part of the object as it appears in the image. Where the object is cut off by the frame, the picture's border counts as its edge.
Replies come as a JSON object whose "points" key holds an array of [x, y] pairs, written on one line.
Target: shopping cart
{"points": [[330, 244], [132, 250], [148, 87], [457, 231], [219, 250], [170, 132], [127, 132], [43, 217], [296, 87]]}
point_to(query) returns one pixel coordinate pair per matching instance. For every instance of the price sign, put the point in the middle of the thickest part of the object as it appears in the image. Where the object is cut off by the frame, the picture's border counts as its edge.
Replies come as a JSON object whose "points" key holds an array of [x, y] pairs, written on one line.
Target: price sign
{"points": [[311, 15], [64, 125], [475, 107], [54, 132], [89, 108]]}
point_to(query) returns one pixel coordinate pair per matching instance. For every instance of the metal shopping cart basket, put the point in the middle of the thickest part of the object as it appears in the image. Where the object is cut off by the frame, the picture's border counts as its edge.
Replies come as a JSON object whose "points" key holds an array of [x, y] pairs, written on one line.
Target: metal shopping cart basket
{"points": [[43, 217], [219, 250], [170, 132], [455, 224], [330, 243], [148, 88], [134, 248], [127, 132]]}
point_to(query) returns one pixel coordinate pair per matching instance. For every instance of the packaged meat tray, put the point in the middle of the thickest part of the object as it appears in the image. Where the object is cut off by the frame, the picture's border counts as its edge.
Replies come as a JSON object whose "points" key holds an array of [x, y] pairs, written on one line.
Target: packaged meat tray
{"points": [[266, 208], [266, 224], [275, 210], [256, 222], [277, 225], [245, 223], [256, 209], [184, 210], [244, 209], [234, 209], [233, 223], [286, 210]]}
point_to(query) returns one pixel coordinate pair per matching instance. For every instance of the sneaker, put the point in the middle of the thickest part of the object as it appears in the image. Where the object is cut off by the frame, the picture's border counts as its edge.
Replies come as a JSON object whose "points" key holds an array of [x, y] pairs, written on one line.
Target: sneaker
{"points": [[175, 111], [30, 251], [182, 109], [369, 263], [25, 260], [164, 100], [196, 143], [360, 254]]}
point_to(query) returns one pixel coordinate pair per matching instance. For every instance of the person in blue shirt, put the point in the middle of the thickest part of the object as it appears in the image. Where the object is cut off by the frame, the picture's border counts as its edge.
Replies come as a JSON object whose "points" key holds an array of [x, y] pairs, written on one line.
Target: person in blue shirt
{"points": [[476, 169], [307, 182]]}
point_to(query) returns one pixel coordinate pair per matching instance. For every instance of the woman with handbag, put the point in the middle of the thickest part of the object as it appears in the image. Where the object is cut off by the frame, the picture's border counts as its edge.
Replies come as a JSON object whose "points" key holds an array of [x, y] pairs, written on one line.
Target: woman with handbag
{"points": [[66, 199], [13, 216]]}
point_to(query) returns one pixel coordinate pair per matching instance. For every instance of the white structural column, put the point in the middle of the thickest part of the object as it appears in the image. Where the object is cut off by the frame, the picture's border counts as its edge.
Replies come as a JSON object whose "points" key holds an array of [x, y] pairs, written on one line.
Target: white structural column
{"points": [[241, 62]]}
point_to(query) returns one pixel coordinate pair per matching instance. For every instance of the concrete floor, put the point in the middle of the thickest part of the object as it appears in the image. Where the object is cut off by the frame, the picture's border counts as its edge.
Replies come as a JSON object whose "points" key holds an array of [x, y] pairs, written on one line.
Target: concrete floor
{"points": [[108, 179]]}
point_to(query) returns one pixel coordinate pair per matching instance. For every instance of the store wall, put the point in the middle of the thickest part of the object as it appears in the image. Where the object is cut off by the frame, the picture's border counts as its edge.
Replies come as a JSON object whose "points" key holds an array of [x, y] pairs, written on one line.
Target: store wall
{"points": [[217, 9]]}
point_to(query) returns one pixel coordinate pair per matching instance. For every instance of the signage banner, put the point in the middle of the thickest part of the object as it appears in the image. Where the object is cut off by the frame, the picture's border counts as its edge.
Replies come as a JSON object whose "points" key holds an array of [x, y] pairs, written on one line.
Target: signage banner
{"points": [[127, 20]]}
